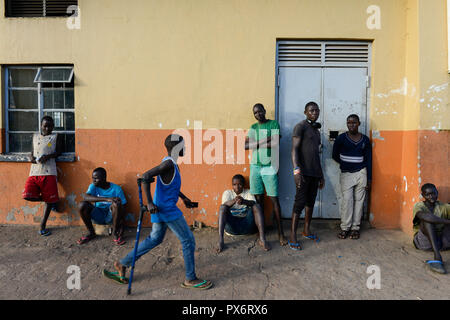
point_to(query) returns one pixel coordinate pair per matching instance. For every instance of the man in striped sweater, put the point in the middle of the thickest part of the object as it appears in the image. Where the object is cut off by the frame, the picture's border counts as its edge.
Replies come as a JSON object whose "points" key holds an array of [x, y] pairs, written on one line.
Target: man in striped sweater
{"points": [[353, 151]]}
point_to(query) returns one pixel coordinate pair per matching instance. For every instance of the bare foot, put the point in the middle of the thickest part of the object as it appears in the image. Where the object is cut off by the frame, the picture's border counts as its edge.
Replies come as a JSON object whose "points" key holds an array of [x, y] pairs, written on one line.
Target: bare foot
{"points": [[283, 240], [220, 247], [264, 245]]}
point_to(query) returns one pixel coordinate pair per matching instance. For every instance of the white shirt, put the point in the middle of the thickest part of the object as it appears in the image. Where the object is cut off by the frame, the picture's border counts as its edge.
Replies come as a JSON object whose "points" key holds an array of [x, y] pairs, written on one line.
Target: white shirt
{"points": [[44, 145], [238, 209]]}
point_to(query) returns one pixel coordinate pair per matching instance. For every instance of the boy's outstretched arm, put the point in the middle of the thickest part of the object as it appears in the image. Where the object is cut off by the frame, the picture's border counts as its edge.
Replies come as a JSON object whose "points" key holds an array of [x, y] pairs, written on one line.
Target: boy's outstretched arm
{"points": [[187, 202]]}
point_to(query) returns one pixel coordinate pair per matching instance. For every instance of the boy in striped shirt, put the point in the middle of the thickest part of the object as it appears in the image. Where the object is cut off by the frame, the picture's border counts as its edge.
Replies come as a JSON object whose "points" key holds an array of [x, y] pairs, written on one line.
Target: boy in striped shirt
{"points": [[353, 151]]}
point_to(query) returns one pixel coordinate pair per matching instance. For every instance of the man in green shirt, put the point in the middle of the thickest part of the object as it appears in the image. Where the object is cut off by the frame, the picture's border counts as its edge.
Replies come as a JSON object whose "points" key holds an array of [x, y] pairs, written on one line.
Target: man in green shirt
{"points": [[262, 137], [431, 220]]}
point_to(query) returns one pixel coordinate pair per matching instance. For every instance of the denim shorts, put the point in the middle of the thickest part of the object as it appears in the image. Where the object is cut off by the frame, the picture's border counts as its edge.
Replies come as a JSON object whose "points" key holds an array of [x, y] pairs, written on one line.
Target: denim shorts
{"points": [[101, 215], [237, 225]]}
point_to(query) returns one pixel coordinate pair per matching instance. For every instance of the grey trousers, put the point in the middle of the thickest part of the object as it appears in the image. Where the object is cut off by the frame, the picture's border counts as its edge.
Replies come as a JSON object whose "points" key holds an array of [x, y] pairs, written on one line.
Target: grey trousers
{"points": [[353, 191]]}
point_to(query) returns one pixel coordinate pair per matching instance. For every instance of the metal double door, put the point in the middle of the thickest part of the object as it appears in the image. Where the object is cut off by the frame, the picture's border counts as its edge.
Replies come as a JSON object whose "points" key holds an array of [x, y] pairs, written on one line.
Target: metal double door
{"points": [[339, 92]]}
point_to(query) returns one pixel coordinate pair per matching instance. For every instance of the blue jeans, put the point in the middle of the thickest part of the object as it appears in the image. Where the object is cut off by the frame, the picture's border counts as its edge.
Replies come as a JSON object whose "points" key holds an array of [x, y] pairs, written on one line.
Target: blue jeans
{"points": [[181, 229]]}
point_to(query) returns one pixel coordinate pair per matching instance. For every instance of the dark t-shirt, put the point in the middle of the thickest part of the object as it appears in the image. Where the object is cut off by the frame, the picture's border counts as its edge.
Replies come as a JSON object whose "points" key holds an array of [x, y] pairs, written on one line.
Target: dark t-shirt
{"points": [[308, 152]]}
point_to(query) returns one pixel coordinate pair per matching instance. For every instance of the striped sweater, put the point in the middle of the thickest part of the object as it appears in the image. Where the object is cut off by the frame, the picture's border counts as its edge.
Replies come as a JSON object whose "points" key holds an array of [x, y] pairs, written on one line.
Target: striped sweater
{"points": [[353, 156]]}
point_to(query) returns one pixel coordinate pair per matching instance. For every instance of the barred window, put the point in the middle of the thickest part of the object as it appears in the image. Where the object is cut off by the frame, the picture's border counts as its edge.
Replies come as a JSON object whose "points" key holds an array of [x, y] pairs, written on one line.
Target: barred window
{"points": [[33, 92], [40, 8]]}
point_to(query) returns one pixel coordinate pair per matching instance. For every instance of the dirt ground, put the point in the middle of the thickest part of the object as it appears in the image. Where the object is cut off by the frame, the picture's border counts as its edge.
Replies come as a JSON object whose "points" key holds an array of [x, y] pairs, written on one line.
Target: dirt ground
{"points": [[35, 267]]}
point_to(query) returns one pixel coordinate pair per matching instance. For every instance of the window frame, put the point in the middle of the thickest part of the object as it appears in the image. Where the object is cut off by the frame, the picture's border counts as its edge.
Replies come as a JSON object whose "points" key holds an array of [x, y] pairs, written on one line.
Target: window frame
{"points": [[38, 73], [7, 155]]}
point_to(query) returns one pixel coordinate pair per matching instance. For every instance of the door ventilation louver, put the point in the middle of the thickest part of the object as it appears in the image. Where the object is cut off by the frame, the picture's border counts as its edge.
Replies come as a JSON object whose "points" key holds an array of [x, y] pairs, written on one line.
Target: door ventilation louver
{"points": [[300, 52], [323, 53], [346, 53]]}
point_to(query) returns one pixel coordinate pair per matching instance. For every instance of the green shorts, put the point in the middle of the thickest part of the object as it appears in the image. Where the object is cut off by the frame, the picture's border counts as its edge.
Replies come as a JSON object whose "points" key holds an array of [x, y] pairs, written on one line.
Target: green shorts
{"points": [[263, 178]]}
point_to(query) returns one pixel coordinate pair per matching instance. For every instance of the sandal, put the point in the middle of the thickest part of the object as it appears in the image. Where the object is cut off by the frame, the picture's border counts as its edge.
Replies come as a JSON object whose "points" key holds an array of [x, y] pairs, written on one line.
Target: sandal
{"points": [[119, 241], [311, 237], [354, 234], [114, 276], [343, 234], [86, 239], [45, 232], [295, 245], [205, 284], [436, 266]]}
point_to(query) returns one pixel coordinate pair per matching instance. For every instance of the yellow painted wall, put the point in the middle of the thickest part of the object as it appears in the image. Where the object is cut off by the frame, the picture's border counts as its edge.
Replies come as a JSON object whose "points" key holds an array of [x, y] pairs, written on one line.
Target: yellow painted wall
{"points": [[152, 64], [434, 89], [191, 58]]}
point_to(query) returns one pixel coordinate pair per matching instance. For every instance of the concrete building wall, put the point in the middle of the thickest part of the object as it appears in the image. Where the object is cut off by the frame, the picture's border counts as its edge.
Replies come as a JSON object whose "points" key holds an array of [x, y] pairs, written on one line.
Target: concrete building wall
{"points": [[145, 68]]}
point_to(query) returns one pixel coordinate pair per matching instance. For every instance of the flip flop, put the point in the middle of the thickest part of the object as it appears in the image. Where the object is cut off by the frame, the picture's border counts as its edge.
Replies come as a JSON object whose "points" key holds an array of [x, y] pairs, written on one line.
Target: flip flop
{"points": [[205, 284], [114, 276], [295, 246], [85, 239], [45, 232], [436, 266], [312, 237], [119, 241]]}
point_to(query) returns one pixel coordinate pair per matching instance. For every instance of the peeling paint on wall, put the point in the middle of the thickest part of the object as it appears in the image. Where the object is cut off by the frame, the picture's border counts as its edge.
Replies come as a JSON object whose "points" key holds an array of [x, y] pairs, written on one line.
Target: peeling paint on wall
{"points": [[405, 89], [30, 210], [376, 135], [437, 88], [10, 216], [71, 200]]}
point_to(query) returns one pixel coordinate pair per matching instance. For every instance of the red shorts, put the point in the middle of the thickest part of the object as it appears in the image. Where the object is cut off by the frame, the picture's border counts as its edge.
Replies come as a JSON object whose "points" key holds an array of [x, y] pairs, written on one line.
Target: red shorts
{"points": [[41, 187]]}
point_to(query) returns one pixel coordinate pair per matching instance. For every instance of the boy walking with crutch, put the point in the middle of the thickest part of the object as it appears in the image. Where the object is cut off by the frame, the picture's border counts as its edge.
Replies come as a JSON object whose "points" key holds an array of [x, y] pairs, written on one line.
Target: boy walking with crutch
{"points": [[165, 214]]}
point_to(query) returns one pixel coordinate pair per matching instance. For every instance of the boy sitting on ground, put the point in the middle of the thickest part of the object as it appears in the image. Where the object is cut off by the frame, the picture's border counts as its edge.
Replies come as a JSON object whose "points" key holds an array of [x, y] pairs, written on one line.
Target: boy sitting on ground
{"points": [[431, 219], [109, 200], [239, 213]]}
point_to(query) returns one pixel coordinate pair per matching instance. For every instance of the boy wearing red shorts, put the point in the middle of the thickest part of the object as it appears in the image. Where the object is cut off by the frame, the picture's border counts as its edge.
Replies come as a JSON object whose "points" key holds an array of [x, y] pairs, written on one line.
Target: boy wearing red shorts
{"points": [[41, 183]]}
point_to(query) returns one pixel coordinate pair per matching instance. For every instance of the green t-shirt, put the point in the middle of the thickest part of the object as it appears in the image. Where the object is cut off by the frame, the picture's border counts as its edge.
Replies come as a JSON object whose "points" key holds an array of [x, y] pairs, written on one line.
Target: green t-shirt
{"points": [[441, 210], [262, 156]]}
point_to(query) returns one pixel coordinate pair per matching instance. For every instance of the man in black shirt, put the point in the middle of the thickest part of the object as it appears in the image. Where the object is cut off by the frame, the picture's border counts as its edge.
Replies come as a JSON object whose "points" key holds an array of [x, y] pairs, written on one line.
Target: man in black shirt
{"points": [[308, 175]]}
